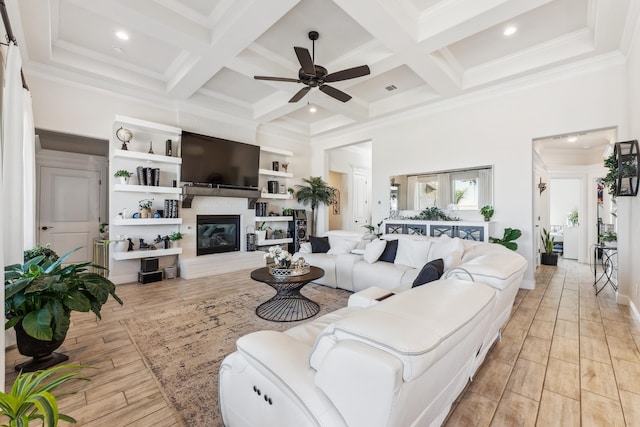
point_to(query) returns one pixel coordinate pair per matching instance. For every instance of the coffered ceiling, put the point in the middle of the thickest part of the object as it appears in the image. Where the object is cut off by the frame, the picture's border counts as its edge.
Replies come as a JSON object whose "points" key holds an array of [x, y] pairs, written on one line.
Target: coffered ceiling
{"points": [[203, 54]]}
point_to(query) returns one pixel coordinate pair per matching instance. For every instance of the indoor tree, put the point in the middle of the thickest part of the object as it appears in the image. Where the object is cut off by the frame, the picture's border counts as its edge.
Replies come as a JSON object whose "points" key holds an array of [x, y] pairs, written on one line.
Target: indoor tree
{"points": [[316, 193]]}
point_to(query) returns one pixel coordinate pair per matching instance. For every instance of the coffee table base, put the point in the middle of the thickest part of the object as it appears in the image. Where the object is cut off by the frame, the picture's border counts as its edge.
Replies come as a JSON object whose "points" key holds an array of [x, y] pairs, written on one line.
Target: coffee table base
{"points": [[288, 307]]}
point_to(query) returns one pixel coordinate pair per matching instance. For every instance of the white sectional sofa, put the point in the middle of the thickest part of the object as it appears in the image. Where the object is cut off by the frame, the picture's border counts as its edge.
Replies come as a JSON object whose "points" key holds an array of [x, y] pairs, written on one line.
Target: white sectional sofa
{"points": [[398, 363], [382, 361]]}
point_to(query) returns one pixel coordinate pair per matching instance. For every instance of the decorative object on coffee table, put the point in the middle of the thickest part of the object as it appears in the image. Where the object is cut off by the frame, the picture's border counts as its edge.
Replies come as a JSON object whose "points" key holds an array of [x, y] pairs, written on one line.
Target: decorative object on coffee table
{"points": [[288, 305]]}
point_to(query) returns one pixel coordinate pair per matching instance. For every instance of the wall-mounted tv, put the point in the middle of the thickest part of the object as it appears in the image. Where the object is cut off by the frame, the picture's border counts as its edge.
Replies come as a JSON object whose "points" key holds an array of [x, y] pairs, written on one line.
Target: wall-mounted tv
{"points": [[219, 162]]}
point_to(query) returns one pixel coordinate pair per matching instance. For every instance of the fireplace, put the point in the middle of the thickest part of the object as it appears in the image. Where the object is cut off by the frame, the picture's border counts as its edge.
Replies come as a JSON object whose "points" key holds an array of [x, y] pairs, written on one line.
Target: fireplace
{"points": [[217, 234]]}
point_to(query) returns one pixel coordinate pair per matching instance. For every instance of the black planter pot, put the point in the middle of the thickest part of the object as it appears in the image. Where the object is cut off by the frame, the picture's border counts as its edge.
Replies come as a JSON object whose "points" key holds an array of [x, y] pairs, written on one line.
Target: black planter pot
{"points": [[41, 351], [549, 259]]}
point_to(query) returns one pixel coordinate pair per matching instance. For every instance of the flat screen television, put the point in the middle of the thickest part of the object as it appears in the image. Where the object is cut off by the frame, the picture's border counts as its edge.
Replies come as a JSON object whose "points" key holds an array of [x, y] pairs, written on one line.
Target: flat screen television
{"points": [[219, 162]]}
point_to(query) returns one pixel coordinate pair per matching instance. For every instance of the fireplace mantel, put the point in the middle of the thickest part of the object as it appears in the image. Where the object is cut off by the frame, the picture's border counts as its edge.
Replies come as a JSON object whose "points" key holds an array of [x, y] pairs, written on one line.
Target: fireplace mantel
{"points": [[189, 192]]}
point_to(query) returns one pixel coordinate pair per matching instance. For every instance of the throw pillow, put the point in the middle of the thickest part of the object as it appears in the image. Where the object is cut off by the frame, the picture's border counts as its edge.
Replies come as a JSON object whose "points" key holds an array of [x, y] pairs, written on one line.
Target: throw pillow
{"points": [[412, 253], [450, 250], [431, 271], [341, 244], [374, 250], [319, 245], [389, 253]]}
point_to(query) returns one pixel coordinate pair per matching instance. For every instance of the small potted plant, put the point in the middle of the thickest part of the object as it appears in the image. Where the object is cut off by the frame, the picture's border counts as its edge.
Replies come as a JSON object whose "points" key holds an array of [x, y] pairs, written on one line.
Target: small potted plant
{"points": [[487, 212], [175, 237], [145, 207], [123, 175], [572, 218], [609, 238], [261, 231], [548, 257]]}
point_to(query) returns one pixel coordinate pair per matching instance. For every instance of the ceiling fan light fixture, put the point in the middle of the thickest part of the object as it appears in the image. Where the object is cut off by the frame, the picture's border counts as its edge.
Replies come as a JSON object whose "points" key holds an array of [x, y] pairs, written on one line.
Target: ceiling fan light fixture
{"points": [[312, 108]]}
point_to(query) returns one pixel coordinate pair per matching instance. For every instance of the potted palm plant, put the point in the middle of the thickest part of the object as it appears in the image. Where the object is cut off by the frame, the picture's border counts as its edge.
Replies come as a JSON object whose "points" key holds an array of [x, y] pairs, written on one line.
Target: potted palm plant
{"points": [[39, 298], [316, 193], [548, 257]]}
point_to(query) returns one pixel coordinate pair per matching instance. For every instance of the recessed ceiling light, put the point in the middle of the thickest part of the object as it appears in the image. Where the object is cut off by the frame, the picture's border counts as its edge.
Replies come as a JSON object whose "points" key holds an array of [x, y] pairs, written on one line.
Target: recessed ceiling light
{"points": [[122, 35], [312, 109], [510, 30], [572, 139]]}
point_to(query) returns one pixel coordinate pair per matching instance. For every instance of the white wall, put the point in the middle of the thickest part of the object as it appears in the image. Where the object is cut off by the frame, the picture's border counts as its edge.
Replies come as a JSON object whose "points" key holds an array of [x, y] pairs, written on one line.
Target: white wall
{"points": [[629, 208], [497, 130]]}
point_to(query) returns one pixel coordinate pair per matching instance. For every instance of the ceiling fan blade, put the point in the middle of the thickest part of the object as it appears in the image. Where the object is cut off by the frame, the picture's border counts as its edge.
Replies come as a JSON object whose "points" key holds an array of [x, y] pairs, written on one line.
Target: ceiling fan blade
{"points": [[301, 93], [277, 79], [305, 60], [335, 93], [349, 73]]}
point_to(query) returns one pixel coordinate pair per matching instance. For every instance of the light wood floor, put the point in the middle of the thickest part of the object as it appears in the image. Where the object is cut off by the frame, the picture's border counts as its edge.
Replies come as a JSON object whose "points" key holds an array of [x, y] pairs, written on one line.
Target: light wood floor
{"points": [[566, 358]]}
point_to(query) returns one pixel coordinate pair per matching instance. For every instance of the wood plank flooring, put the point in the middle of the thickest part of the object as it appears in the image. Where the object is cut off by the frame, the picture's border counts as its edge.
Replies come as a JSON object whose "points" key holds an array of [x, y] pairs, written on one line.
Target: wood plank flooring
{"points": [[567, 358]]}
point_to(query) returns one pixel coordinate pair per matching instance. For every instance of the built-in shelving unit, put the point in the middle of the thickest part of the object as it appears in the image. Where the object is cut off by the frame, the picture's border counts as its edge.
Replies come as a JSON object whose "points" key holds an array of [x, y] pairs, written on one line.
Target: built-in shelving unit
{"points": [[277, 174], [273, 218], [126, 197], [120, 256]]}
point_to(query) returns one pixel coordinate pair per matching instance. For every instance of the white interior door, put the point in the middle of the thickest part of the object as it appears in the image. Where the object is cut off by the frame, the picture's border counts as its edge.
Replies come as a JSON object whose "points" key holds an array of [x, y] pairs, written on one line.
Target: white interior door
{"points": [[69, 210], [361, 209]]}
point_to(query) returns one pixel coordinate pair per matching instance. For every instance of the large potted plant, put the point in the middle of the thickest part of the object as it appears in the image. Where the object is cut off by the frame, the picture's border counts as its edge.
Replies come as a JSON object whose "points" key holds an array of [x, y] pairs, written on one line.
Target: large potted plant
{"points": [[548, 257], [39, 298], [316, 193]]}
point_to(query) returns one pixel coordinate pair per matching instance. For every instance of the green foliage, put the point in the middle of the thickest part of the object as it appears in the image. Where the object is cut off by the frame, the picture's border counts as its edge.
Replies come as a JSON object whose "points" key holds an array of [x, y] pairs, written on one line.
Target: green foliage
{"points": [[45, 251], [145, 203], [176, 235], [434, 214], [507, 240], [609, 236], [42, 293], [316, 193], [459, 195], [573, 217], [547, 241], [122, 172], [610, 181], [374, 229], [486, 211], [31, 397]]}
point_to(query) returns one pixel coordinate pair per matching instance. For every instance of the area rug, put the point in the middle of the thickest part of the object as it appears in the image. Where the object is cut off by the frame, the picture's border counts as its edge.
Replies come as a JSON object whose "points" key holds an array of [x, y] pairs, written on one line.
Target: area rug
{"points": [[184, 345]]}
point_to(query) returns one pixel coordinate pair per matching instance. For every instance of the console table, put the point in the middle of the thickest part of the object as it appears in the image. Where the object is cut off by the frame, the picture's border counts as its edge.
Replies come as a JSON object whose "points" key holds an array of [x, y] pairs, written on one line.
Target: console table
{"points": [[609, 265], [469, 230], [288, 305]]}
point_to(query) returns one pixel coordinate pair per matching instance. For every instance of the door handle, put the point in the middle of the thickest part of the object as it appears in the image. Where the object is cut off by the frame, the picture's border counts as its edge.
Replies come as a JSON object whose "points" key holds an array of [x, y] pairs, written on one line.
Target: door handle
{"points": [[45, 228]]}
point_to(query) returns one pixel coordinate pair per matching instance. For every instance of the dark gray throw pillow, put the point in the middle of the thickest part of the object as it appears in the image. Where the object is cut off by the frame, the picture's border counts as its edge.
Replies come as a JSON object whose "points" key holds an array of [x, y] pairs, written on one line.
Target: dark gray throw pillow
{"points": [[319, 245], [389, 254], [431, 271]]}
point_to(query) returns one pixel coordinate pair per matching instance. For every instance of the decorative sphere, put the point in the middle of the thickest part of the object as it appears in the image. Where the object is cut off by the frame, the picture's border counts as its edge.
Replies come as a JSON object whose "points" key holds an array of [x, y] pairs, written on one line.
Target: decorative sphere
{"points": [[124, 135]]}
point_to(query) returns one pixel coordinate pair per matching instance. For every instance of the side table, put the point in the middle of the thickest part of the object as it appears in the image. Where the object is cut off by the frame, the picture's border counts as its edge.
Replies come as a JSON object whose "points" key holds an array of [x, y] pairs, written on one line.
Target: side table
{"points": [[609, 267], [288, 305]]}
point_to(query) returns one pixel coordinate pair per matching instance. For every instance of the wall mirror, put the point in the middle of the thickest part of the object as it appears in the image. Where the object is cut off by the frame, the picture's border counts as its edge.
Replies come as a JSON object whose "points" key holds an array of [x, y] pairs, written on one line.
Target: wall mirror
{"points": [[459, 189]]}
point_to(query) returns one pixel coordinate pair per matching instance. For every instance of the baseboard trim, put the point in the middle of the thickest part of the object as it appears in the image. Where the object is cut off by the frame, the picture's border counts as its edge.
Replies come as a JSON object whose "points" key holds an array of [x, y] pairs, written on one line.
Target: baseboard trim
{"points": [[634, 310]]}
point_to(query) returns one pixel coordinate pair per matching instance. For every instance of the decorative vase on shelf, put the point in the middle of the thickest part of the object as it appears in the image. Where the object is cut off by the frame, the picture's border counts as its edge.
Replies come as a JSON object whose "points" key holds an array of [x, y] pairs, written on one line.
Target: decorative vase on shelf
{"points": [[124, 180], [145, 213]]}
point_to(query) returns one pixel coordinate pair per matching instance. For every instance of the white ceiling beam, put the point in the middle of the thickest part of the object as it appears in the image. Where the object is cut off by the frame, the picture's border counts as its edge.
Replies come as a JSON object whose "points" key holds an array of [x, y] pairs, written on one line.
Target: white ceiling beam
{"points": [[233, 33]]}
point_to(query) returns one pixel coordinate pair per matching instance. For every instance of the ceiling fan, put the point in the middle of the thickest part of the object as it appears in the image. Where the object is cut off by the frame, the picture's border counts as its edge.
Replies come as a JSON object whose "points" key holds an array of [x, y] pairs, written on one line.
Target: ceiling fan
{"points": [[313, 75]]}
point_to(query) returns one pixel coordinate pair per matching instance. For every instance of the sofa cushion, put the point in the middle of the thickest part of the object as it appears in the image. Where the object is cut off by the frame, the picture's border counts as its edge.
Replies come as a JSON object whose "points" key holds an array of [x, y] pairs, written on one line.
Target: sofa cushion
{"points": [[374, 250], [431, 271], [319, 245], [413, 253], [450, 250], [389, 253]]}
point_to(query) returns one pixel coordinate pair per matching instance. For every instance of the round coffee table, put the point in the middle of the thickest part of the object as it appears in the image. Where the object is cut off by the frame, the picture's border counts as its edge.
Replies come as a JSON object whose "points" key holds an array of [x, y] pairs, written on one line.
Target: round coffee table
{"points": [[288, 305]]}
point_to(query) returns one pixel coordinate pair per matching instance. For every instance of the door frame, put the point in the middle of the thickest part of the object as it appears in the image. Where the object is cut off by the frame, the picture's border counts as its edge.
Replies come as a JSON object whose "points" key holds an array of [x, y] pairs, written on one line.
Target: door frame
{"points": [[85, 162]]}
